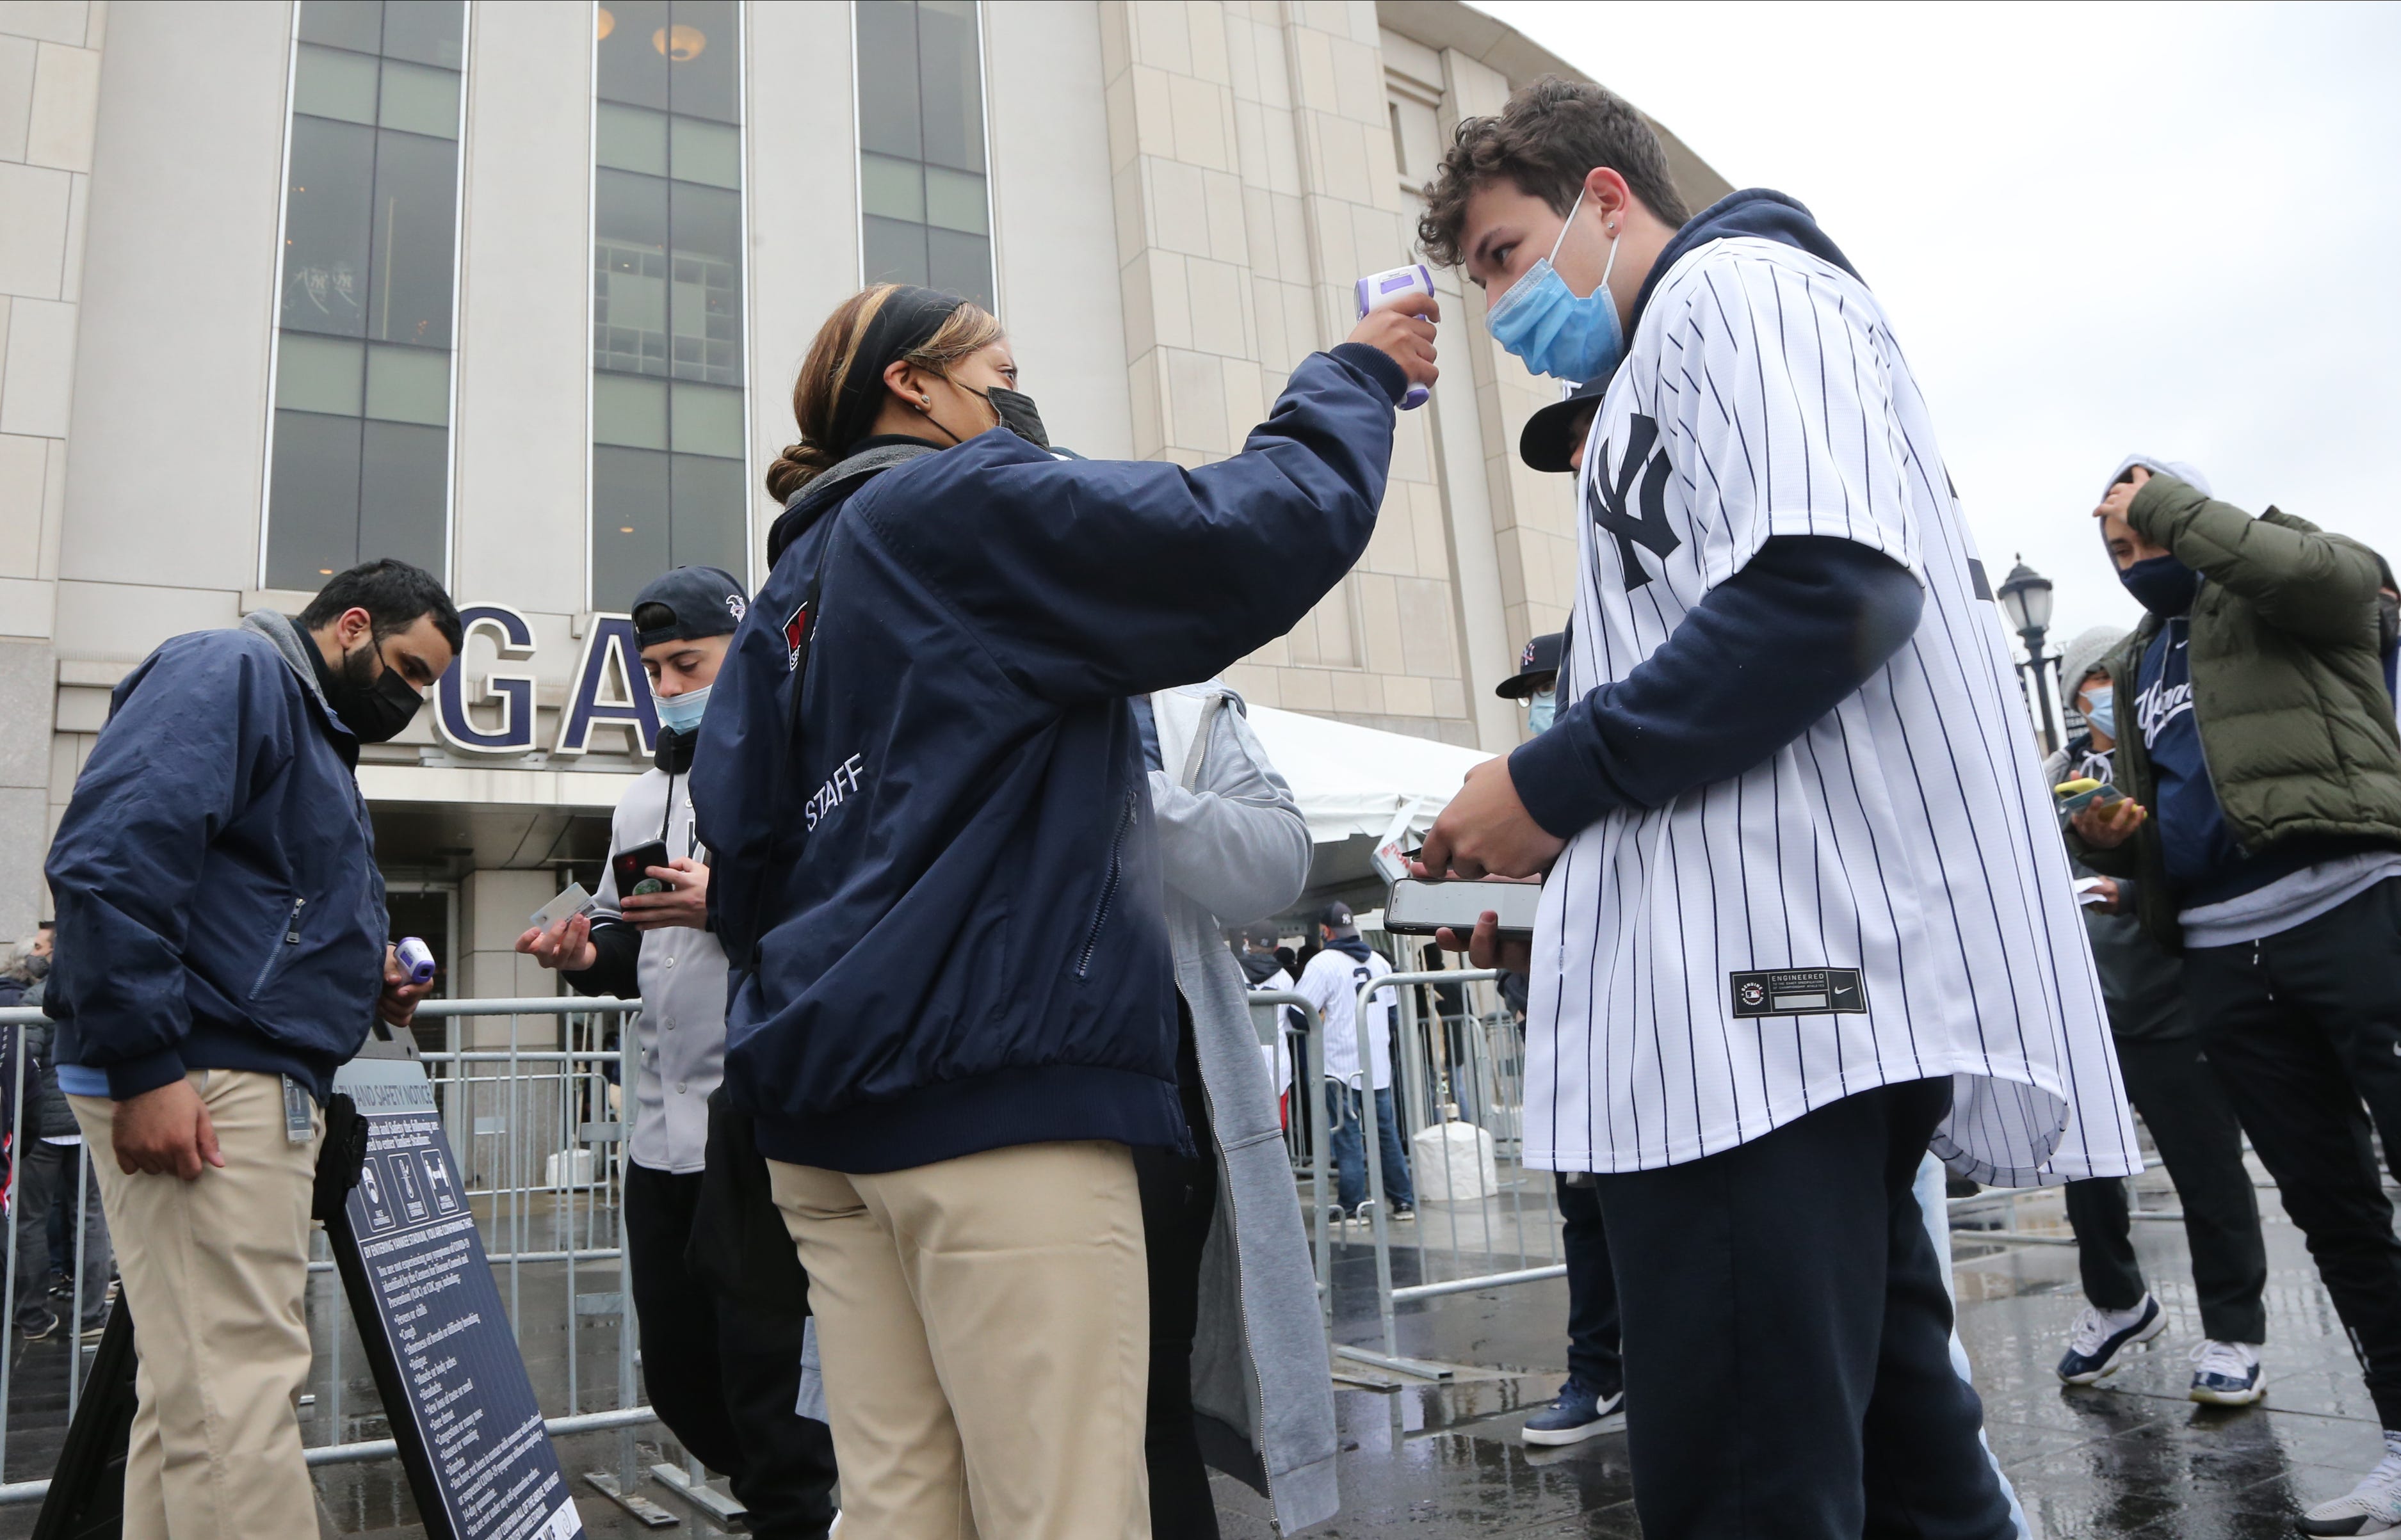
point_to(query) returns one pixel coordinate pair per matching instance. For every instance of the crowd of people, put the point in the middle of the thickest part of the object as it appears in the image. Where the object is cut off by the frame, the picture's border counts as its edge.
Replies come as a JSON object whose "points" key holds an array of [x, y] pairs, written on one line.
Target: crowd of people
{"points": [[955, 1171]]}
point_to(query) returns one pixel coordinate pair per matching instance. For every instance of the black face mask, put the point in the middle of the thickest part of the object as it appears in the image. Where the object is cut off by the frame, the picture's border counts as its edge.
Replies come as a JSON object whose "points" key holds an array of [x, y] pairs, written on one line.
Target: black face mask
{"points": [[1019, 414], [2161, 584], [374, 707]]}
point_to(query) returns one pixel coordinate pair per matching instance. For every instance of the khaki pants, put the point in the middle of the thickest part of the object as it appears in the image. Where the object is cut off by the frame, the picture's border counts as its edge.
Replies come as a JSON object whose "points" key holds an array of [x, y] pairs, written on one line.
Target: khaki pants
{"points": [[984, 1326], [214, 1271]]}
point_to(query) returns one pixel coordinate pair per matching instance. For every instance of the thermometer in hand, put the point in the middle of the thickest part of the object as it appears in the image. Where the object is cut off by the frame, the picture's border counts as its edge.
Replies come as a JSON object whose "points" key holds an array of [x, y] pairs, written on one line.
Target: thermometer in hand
{"points": [[1378, 290]]}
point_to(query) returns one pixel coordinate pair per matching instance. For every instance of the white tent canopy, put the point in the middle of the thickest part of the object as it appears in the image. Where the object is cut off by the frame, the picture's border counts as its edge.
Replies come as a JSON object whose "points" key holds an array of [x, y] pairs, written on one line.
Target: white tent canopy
{"points": [[1352, 781]]}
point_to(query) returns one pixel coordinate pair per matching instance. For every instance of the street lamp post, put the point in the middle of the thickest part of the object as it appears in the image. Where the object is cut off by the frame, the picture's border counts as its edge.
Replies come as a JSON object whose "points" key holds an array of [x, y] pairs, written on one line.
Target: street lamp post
{"points": [[2025, 599]]}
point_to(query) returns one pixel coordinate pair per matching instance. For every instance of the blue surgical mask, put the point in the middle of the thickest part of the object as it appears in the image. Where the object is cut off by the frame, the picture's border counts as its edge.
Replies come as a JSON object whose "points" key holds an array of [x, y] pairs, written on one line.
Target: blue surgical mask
{"points": [[1556, 333], [2101, 710], [1541, 709], [682, 713]]}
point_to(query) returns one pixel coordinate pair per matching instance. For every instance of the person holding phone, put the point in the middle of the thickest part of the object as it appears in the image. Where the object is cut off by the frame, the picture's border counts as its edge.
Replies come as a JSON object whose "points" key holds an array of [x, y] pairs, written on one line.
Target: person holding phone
{"points": [[938, 875], [725, 1380]]}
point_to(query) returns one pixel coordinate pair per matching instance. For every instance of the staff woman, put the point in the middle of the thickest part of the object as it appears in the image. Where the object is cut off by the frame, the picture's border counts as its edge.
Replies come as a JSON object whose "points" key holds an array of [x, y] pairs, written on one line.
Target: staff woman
{"points": [[952, 1012]]}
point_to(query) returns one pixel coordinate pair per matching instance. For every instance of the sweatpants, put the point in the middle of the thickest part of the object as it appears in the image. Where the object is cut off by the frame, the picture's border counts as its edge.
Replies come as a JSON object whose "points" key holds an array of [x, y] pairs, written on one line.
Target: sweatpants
{"points": [[724, 1380], [1593, 1357], [2191, 1121], [1788, 1337], [984, 1329], [216, 1270], [2302, 1028]]}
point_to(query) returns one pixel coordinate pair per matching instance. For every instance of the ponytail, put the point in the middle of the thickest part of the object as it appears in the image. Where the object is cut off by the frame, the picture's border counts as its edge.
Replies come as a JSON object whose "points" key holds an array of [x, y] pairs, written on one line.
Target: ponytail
{"points": [[841, 390]]}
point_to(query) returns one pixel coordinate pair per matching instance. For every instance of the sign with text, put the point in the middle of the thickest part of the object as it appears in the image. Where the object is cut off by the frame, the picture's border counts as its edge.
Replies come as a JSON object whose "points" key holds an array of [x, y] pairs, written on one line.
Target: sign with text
{"points": [[454, 1386]]}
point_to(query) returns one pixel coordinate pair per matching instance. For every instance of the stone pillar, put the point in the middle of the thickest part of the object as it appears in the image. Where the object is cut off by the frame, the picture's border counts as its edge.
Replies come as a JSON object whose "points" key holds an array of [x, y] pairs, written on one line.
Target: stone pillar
{"points": [[492, 911]]}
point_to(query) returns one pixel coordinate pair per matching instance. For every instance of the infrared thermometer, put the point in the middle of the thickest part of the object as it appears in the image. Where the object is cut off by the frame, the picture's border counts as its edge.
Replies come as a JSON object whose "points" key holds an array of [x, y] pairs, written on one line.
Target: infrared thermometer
{"points": [[417, 958], [1378, 290]]}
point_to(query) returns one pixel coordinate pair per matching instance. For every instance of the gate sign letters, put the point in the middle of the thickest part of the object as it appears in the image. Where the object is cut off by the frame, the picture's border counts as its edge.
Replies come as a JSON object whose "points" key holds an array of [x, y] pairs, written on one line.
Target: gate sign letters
{"points": [[609, 688], [454, 1386]]}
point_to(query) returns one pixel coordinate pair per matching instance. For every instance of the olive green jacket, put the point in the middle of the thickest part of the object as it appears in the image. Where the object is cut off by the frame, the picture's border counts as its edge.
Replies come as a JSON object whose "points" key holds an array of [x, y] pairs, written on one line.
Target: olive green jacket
{"points": [[2288, 692]]}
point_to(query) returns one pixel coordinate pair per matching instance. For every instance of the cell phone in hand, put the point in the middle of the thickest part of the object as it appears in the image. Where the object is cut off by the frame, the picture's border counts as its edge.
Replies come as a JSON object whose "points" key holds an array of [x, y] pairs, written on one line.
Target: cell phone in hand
{"points": [[1422, 906], [632, 869]]}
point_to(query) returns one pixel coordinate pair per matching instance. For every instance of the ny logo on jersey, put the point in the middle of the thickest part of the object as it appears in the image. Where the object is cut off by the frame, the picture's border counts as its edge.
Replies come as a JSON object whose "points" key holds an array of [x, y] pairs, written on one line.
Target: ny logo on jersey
{"points": [[1606, 502]]}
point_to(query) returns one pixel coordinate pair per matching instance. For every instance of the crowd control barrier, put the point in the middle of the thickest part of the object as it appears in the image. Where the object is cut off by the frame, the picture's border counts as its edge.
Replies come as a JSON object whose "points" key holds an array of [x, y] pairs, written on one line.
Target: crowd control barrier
{"points": [[525, 1093]]}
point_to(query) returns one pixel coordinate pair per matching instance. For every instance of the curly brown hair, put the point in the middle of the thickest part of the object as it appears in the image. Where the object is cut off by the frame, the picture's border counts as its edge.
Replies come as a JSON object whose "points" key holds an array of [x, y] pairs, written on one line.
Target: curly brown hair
{"points": [[1551, 134]]}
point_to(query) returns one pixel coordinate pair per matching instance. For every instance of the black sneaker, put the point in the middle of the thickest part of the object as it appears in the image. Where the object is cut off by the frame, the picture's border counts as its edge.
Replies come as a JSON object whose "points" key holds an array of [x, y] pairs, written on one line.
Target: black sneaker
{"points": [[1580, 1412], [38, 1327], [2096, 1349]]}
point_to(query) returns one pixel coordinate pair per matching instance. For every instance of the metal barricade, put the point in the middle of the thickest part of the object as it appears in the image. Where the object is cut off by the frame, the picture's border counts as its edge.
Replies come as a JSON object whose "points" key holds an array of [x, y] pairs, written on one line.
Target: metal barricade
{"points": [[1477, 1081], [537, 1128]]}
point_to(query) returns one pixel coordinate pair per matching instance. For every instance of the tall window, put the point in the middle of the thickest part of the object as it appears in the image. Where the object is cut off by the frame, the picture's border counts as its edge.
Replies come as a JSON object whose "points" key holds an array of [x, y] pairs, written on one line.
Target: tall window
{"points": [[669, 483], [360, 467], [921, 153]]}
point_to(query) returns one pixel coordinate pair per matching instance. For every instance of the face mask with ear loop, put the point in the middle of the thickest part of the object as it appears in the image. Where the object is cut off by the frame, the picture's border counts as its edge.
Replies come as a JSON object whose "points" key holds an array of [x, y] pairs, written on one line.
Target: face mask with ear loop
{"points": [[1544, 323], [1014, 409]]}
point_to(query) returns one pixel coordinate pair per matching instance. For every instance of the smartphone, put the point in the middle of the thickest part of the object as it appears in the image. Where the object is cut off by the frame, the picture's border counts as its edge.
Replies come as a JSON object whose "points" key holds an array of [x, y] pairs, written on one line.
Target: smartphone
{"points": [[632, 869], [2102, 795], [1422, 906]]}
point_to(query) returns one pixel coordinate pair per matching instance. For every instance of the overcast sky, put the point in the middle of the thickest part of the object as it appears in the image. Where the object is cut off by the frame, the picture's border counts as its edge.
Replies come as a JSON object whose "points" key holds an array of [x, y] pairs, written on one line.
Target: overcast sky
{"points": [[2096, 230]]}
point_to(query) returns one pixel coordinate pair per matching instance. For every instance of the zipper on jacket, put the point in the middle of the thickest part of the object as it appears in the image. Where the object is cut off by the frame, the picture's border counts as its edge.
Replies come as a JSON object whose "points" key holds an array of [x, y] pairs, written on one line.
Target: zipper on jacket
{"points": [[290, 938], [1109, 888]]}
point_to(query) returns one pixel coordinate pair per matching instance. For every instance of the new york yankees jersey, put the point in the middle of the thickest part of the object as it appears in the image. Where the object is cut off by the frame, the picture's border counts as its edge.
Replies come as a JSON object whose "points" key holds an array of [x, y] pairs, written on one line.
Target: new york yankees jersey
{"points": [[1886, 898]]}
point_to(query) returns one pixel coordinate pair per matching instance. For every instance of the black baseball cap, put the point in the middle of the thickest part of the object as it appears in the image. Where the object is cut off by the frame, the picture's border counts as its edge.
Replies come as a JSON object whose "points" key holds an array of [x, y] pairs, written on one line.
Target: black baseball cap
{"points": [[1540, 660], [1549, 436], [1261, 933], [1337, 918], [696, 601]]}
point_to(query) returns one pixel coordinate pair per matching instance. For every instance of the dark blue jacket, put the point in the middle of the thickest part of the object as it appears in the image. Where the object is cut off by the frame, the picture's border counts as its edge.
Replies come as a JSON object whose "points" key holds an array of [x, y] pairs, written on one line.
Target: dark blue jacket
{"points": [[218, 902], [970, 953]]}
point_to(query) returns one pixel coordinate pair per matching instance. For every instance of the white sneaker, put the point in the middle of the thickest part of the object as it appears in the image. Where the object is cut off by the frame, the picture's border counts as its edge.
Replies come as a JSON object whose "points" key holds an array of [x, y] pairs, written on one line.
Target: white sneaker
{"points": [[2371, 1507], [2227, 1374], [2101, 1339]]}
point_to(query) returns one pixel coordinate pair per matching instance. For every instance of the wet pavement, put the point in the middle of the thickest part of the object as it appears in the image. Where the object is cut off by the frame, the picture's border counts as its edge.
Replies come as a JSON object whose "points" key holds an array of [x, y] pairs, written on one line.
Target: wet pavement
{"points": [[2130, 1457]]}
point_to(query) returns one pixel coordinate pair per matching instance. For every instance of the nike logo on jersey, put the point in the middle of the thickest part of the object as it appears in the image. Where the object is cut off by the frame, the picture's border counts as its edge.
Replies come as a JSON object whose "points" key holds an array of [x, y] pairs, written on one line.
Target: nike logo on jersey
{"points": [[1606, 501]]}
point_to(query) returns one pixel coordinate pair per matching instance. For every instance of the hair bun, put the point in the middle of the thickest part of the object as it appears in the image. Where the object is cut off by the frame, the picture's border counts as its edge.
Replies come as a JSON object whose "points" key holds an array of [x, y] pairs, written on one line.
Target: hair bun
{"points": [[795, 467]]}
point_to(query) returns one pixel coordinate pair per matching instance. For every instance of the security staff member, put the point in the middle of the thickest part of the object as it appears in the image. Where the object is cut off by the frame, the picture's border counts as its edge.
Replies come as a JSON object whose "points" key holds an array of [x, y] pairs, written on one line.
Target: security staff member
{"points": [[724, 1380], [221, 950]]}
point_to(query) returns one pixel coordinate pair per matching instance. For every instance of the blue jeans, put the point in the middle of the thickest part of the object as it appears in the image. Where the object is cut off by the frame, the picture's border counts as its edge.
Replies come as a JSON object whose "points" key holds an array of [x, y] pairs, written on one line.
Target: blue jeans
{"points": [[1342, 1113]]}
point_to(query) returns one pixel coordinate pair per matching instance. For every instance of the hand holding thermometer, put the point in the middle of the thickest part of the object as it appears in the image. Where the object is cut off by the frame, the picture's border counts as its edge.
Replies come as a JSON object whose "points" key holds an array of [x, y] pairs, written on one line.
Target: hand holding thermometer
{"points": [[417, 958], [1378, 290]]}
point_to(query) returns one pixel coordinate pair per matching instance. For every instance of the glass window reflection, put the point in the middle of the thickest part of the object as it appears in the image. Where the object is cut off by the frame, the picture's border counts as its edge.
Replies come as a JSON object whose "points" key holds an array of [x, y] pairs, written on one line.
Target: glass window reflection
{"points": [[360, 461], [924, 215], [667, 459]]}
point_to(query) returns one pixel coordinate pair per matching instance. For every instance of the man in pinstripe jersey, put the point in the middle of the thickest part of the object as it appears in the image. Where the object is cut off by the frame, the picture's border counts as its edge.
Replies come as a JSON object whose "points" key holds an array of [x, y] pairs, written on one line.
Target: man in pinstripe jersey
{"points": [[1805, 913]]}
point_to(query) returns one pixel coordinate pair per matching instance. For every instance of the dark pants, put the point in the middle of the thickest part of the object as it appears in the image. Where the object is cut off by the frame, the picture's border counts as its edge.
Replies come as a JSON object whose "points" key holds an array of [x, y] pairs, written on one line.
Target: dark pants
{"points": [[1179, 1197], [1592, 1293], [1788, 1337], [45, 1187], [1349, 1137], [2301, 1029], [2201, 1143], [725, 1381]]}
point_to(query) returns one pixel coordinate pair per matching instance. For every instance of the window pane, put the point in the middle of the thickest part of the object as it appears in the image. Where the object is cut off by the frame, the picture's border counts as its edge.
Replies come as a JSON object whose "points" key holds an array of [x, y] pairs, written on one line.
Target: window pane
{"points": [[887, 77], [954, 200], [632, 210], [629, 524], [420, 99], [410, 266], [315, 496], [343, 24], [892, 187], [629, 410], [326, 227], [708, 152], [703, 53], [631, 139], [707, 495], [704, 297], [960, 265], [409, 385], [430, 32], [954, 85], [317, 375], [630, 69], [403, 494], [894, 250], [707, 420], [327, 83]]}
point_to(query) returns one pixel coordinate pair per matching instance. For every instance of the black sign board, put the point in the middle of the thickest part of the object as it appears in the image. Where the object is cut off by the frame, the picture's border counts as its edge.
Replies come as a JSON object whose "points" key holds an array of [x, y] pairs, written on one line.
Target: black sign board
{"points": [[445, 1358]]}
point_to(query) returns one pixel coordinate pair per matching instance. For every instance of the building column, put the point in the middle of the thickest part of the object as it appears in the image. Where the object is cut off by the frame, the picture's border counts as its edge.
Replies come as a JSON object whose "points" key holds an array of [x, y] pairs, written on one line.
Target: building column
{"points": [[493, 907]]}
